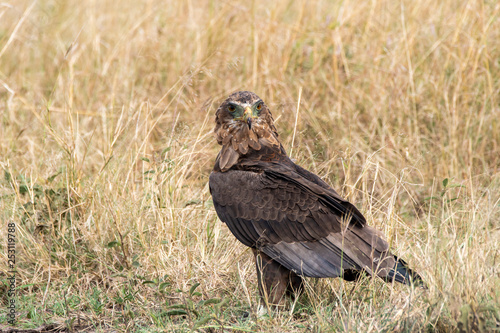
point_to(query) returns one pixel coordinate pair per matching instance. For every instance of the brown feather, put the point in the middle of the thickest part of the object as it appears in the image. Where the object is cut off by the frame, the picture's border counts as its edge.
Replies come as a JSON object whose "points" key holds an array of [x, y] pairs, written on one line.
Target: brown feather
{"points": [[228, 157], [253, 140], [226, 138], [255, 145], [243, 147], [234, 143]]}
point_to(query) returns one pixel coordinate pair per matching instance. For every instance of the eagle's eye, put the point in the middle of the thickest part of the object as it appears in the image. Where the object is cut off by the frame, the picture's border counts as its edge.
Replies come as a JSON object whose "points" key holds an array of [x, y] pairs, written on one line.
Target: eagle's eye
{"points": [[231, 108], [259, 107]]}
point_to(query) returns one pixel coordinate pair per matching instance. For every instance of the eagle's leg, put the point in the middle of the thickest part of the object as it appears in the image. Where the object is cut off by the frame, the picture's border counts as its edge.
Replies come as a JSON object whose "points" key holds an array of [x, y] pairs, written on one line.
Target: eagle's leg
{"points": [[275, 281]]}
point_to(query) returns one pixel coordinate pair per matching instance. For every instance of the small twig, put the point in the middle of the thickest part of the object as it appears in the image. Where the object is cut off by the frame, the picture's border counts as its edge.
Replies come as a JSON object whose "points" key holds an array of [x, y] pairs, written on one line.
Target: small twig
{"points": [[70, 322], [48, 280], [122, 245], [296, 119]]}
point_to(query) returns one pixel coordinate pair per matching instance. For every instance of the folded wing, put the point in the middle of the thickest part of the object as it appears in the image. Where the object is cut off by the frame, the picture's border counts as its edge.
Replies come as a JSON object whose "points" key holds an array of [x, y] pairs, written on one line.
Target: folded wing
{"points": [[299, 221]]}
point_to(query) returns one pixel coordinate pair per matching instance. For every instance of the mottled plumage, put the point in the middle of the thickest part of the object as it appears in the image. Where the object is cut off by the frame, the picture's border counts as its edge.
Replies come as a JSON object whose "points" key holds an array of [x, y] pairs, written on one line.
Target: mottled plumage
{"points": [[296, 224]]}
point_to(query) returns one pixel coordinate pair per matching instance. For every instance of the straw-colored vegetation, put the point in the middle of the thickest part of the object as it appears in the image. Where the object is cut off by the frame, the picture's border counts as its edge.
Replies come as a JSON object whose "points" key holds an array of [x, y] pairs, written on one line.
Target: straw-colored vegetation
{"points": [[106, 145]]}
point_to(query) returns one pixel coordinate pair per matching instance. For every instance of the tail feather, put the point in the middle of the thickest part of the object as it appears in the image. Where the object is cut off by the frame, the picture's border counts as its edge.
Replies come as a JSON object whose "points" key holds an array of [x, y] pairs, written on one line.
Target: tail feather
{"points": [[403, 274]]}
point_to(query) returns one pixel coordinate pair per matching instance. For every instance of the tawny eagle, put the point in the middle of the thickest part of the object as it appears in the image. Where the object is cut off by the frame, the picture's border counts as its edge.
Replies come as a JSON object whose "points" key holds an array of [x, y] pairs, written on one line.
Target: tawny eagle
{"points": [[296, 224]]}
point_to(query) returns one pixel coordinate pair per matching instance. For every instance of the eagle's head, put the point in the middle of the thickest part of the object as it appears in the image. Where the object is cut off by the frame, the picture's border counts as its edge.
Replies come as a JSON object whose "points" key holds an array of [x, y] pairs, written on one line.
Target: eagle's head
{"points": [[243, 122]]}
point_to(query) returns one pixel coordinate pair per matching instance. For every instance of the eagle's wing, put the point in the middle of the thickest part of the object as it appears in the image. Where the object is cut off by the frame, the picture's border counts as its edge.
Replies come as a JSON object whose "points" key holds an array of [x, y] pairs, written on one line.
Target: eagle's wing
{"points": [[298, 221]]}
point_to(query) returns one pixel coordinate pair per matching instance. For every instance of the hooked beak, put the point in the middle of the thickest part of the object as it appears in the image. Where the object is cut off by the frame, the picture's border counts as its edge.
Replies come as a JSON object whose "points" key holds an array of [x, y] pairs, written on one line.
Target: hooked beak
{"points": [[248, 117]]}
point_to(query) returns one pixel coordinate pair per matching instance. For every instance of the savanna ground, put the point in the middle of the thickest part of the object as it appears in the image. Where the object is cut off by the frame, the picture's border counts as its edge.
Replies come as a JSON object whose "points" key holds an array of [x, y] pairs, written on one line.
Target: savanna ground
{"points": [[106, 146]]}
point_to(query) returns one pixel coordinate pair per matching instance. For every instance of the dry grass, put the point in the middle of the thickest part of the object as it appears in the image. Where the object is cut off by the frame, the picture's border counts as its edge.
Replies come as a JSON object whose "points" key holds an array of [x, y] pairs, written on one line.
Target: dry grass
{"points": [[400, 111]]}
